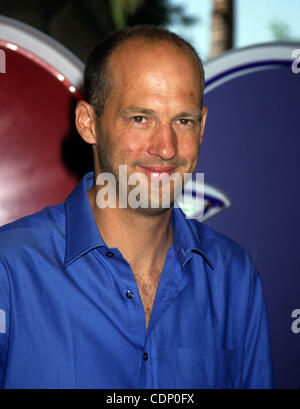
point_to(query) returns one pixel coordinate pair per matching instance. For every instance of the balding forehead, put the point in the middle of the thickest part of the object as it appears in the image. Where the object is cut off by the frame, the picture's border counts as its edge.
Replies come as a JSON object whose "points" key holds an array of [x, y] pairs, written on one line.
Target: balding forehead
{"points": [[151, 44], [148, 45], [138, 50]]}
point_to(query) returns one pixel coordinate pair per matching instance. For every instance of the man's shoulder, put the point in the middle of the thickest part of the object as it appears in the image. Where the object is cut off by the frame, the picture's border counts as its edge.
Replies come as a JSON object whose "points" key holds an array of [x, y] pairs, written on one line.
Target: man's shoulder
{"points": [[32, 230], [221, 250], [205, 232]]}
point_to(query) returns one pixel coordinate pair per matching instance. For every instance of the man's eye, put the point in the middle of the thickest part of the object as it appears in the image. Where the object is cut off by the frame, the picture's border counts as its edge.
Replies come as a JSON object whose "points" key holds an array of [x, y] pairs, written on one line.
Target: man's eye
{"points": [[186, 122], [138, 119]]}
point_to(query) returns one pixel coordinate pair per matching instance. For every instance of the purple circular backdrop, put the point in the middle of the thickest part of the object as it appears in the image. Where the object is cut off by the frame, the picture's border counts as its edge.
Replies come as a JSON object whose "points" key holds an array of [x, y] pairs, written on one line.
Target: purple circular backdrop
{"points": [[251, 150]]}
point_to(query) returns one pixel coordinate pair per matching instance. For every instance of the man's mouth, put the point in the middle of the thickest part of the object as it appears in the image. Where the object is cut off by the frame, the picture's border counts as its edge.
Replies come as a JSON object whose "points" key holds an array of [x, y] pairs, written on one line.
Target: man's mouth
{"points": [[157, 172]]}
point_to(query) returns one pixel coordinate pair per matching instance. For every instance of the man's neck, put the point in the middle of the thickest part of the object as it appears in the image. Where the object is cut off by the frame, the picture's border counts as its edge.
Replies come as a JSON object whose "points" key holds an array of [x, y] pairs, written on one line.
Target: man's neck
{"points": [[143, 239]]}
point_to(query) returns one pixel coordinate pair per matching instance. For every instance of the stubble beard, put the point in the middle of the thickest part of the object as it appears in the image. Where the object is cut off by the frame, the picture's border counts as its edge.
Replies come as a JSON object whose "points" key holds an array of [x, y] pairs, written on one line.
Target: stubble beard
{"points": [[150, 207]]}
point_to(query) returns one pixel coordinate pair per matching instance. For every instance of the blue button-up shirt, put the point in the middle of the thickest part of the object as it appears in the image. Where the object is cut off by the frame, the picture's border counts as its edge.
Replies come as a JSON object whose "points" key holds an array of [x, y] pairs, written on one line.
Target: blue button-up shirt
{"points": [[71, 315]]}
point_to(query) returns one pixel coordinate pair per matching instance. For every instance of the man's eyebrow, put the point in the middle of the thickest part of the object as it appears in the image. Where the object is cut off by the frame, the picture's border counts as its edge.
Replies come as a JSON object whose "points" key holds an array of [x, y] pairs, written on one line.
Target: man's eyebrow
{"points": [[134, 110], [197, 113]]}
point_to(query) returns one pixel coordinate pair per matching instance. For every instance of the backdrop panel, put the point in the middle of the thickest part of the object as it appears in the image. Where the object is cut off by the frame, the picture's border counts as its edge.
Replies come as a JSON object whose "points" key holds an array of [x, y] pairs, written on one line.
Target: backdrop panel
{"points": [[251, 150], [37, 93]]}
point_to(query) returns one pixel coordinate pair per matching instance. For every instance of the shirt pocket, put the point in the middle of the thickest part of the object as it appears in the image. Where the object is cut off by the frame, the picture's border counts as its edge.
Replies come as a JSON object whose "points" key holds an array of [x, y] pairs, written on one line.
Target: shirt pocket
{"points": [[204, 368]]}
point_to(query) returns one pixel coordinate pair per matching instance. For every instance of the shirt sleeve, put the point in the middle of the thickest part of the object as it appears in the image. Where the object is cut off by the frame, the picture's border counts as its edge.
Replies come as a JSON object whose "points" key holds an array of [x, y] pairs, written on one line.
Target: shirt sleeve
{"points": [[4, 320], [257, 366]]}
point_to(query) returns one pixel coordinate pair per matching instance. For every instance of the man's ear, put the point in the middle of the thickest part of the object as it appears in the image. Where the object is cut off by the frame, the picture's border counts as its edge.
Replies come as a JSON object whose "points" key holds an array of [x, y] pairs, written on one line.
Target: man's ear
{"points": [[86, 122], [203, 120]]}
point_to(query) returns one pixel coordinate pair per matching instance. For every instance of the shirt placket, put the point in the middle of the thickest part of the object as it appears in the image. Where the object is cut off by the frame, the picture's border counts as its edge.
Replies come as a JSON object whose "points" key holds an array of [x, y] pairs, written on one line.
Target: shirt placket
{"points": [[135, 324], [173, 280]]}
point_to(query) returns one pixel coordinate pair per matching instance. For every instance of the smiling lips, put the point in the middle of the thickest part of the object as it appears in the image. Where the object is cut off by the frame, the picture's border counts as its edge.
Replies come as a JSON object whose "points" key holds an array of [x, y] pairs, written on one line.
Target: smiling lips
{"points": [[157, 172]]}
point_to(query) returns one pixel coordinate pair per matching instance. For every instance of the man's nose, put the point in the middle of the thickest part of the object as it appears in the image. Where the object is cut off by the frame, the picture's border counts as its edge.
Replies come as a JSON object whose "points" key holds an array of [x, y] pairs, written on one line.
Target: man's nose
{"points": [[163, 142]]}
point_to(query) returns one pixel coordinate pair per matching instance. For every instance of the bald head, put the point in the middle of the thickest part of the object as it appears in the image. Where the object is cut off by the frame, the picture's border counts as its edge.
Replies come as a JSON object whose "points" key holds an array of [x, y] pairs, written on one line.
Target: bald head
{"points": [[161, 63], [98, 81]]}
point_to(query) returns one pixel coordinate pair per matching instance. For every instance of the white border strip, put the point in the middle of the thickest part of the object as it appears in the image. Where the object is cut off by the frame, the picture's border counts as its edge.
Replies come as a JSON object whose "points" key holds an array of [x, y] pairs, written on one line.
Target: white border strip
{"points": [[44, 47], [237, 74], [257, 53]]}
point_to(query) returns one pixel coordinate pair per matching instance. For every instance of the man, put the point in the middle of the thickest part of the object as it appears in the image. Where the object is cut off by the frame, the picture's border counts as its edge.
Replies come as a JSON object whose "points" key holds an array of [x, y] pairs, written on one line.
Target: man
{"points": [[124, 296]]}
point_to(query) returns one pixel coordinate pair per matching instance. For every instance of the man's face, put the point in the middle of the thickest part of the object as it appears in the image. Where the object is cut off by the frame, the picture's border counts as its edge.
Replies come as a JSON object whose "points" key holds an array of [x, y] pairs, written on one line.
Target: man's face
{"points": [[152, 119]]}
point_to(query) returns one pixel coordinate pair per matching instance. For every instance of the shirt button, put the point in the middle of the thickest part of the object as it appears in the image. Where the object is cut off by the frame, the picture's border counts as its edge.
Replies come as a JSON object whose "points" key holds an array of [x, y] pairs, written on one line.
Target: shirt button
{"points": [[110, 254], [129, 294], [145, 356]]}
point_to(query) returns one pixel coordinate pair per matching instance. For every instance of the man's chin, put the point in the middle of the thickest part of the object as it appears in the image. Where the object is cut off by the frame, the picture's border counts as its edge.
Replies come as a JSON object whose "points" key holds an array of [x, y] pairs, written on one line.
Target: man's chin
{"points": [[151, 211]]}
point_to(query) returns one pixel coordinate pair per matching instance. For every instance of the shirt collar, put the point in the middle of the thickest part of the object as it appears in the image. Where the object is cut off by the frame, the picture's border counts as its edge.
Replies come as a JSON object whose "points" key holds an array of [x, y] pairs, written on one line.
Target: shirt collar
{"points": [[189, 236], [82, 233]]}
